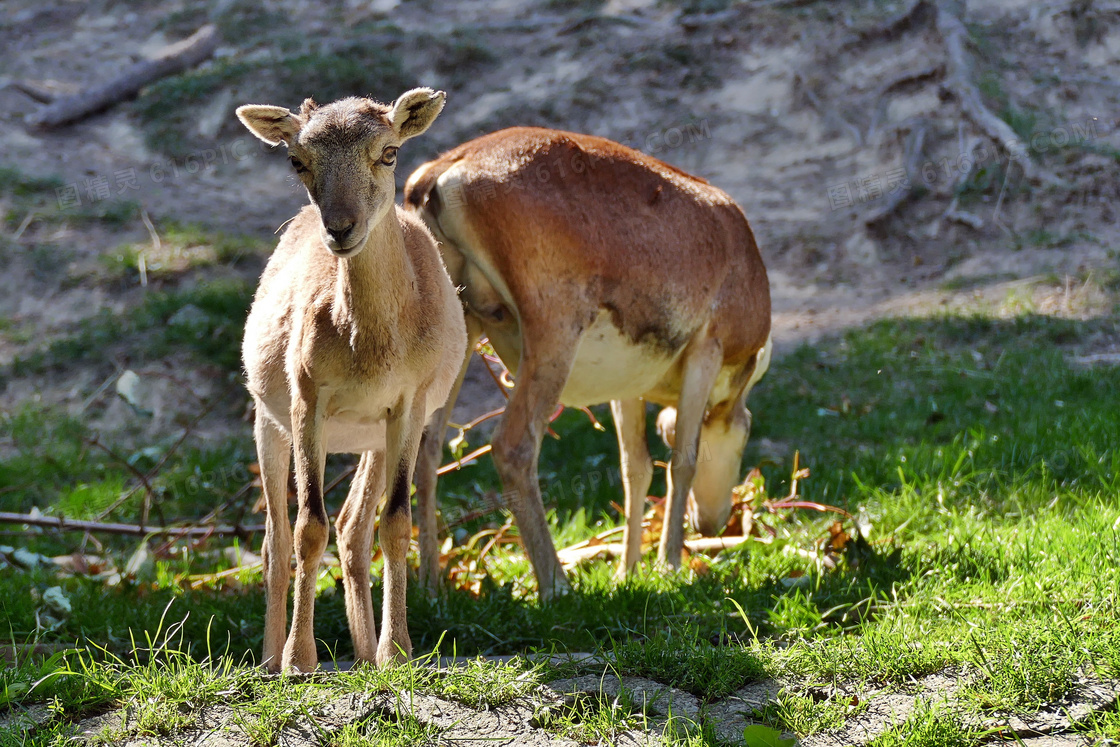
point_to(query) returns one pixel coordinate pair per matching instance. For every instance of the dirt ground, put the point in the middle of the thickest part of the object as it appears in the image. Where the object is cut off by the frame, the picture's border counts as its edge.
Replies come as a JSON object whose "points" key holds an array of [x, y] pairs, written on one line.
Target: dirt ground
{"points": [[814, 116], [834, 125], [666, 713]]}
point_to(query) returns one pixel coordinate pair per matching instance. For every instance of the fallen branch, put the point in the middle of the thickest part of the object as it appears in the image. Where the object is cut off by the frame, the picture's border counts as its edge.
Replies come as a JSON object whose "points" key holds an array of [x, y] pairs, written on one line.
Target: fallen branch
{"points": [[174, 59], [63, 524], [33, 90], [583, 551], [467, 459], [145, 482]]}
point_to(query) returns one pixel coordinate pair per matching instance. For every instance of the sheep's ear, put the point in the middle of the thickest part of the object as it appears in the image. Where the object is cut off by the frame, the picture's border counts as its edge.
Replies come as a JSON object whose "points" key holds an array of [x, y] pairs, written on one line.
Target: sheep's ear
{"points": [[272, 124], [415, 110]]}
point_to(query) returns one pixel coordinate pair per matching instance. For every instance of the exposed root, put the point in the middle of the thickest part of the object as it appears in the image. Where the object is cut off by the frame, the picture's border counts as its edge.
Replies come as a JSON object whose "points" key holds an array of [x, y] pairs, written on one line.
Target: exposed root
{"points": [[912, 157], [955, 214], [901, 83], [919, 14], [801, 85], [959, 82]]}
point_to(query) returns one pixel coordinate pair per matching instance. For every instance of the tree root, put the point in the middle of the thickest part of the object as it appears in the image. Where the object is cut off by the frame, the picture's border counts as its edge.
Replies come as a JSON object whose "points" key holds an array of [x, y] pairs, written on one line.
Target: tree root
{"points": [[912, 150], [902, 82], [918, 15], [959, 82]]}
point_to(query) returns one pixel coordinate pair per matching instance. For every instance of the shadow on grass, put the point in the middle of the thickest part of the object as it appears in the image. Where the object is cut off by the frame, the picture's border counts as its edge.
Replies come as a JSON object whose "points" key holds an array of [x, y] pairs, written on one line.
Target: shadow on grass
{"points": [[941, 433]]}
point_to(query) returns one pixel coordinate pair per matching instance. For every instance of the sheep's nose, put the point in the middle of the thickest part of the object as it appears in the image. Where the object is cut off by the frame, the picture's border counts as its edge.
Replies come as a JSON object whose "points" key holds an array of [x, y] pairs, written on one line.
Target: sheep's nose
{"points": [[340, 230]]}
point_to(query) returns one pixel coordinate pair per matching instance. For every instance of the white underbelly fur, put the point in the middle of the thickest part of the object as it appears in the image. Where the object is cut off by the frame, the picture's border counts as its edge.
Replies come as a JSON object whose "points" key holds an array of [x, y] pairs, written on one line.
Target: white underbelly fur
{"points": [[609, 365], [355, 429]]}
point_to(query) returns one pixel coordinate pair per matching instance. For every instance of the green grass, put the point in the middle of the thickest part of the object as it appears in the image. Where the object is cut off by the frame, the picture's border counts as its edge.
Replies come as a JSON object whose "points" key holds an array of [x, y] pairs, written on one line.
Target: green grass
{"points": [[183, 248], [804, 714], [929, 726], [15, 182], [205, 321], [21, 194], [378, 730], [983, 461], [169, 109], [679, 658]]}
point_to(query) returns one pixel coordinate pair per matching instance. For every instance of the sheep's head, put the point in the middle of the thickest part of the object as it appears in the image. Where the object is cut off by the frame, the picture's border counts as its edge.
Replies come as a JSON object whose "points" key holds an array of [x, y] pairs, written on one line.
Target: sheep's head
{"points": [[345, 154]]}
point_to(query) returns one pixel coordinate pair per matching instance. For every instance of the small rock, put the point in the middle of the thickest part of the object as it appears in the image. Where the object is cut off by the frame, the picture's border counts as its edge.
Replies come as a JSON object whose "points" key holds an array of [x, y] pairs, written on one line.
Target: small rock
{"points": [[131, 388], [650, 697], [730, 716], [190, 316], [57, 602], [24, 719], [29, 560]]}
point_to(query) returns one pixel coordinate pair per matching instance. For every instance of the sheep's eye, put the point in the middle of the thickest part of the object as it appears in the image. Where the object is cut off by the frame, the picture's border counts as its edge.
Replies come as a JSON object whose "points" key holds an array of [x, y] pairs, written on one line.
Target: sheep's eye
{"points": [[297, 164], [389, 156]]}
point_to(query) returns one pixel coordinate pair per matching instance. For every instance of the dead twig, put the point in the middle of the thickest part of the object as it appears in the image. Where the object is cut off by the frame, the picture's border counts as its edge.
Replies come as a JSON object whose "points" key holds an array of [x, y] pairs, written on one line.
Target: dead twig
{"points": [[479, 420], [955, 214], [348, 472], [141, 261], [23, 226], [63, 524], [492, 504], [145, 481], [499, 378], [173, 59], [183, 437], [458, 463], [241, 493]]}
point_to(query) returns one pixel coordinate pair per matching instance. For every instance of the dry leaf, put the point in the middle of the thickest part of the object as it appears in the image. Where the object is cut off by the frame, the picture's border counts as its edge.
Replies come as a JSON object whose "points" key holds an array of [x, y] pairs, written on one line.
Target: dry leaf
{"points": [[700, 565]]}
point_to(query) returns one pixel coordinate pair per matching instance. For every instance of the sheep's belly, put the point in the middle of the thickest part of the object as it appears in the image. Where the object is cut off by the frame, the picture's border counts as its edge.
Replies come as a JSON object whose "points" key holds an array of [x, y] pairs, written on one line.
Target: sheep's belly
{"points": [[610, 365]]}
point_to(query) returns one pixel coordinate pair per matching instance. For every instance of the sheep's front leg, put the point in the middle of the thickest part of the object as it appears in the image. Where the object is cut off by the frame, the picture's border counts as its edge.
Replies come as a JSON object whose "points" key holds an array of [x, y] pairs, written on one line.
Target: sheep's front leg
{"points": [[401, 443], [312, 529], [274, 454]]}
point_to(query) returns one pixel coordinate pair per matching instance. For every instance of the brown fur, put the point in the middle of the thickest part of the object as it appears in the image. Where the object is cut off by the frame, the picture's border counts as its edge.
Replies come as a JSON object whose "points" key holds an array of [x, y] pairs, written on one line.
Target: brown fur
{"points": [[551, 232], [353, 341]]}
